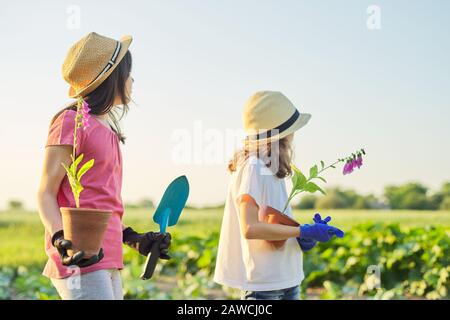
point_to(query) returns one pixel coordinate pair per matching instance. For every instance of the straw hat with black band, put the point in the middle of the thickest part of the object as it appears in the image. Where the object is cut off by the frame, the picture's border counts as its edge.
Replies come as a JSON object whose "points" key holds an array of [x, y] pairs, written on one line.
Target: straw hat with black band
{"points": [[91, 60], [270, 116]]}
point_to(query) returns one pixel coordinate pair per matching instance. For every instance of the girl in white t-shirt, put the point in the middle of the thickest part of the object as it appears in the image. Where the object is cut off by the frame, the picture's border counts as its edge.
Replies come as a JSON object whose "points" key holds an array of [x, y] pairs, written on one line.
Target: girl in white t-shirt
{"points": [[246, 259]]}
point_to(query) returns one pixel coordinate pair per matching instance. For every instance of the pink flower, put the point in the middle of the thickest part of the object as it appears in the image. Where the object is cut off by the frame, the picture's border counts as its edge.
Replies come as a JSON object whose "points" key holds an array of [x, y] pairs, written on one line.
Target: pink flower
{"points": [[352, 162], [85, 107], [348, 167], [84, 110], [359, 161]]}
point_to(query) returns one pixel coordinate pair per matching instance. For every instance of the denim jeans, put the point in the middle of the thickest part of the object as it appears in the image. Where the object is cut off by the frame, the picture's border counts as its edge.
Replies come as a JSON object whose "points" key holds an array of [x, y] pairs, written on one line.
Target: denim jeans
{"points": [[283, 294]]}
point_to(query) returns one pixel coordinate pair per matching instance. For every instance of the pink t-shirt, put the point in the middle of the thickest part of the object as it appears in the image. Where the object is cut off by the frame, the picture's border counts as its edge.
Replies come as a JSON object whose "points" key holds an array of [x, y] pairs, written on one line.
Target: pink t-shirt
{"points": [[102, 188]]}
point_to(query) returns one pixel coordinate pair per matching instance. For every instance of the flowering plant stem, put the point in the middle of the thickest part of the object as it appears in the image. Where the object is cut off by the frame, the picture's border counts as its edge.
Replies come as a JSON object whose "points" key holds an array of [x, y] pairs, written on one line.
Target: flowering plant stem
{"points": [[73, 174], [302, 184]]}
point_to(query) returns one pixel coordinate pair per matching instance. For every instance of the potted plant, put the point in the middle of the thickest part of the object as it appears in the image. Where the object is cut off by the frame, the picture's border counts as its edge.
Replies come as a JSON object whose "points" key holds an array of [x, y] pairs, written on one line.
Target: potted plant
{"points": [[84, 227], [300, 184]]}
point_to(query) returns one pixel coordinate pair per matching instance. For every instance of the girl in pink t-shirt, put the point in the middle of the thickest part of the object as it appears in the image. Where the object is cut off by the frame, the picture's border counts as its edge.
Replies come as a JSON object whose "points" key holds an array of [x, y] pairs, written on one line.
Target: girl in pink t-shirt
{"points": [[98, 69]]}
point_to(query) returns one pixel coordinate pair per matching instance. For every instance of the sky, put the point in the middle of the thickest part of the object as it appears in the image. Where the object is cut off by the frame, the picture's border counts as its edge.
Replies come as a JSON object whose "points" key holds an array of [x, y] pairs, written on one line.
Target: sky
{"points": [[373, 79]]}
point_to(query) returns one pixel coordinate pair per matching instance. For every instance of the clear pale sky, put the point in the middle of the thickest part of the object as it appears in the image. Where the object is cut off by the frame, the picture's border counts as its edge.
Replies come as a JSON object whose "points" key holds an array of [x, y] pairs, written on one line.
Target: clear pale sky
{"points": [[387, 90]]}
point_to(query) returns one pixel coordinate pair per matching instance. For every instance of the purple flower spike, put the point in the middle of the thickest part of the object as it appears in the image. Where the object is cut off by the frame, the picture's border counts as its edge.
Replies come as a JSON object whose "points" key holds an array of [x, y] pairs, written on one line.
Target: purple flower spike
{"points": [[355, 160], [359, 161], [348, 167], [85, 108]]}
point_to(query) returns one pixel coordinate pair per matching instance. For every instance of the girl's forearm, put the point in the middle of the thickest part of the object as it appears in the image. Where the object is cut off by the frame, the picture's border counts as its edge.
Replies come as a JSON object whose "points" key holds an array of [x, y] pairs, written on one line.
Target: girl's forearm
{"points": [[271, 232], [49, 212]]}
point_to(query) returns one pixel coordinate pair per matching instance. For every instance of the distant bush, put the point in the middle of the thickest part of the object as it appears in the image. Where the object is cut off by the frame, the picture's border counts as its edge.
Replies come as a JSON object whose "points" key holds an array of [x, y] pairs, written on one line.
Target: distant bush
{"points": [[15, 205], [410, 196], [334, 199], [415, 196], [445, 205], [142, 204], [346, 199], [307, 202]]}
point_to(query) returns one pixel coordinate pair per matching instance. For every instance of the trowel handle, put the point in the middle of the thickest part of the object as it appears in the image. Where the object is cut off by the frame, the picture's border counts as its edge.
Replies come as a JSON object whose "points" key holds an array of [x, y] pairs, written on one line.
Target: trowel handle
{"points": [[152, 260]]}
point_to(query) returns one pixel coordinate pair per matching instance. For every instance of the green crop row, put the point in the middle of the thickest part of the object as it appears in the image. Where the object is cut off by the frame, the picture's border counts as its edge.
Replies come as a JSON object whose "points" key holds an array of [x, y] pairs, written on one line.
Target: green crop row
{"points": [[412, 262]]}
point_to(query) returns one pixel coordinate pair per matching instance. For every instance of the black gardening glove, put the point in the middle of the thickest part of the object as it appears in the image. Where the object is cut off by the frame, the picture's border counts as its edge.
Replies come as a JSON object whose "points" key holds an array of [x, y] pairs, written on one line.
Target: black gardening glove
{"points": [[62, 245], [142, 242]]}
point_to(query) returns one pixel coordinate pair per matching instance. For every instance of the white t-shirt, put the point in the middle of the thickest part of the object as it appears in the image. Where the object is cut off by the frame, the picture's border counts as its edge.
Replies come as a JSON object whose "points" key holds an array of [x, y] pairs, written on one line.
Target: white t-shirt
{"points": [[255, 265]]}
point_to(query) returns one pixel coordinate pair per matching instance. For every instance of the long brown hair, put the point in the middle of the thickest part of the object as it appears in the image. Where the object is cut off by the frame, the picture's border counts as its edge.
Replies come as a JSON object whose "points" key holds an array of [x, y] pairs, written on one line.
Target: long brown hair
{"points": [[276, 155], [101, 100]]}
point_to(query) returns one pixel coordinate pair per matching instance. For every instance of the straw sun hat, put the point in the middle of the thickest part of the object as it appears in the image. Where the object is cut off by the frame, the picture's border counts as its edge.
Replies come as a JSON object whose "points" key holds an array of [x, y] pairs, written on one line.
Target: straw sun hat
{"points": [[270, 116], [91, 60]]}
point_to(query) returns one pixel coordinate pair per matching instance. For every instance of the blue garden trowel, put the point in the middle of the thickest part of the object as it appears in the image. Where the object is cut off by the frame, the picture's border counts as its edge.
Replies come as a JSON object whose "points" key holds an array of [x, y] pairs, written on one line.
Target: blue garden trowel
{"points": [[166, 215]]}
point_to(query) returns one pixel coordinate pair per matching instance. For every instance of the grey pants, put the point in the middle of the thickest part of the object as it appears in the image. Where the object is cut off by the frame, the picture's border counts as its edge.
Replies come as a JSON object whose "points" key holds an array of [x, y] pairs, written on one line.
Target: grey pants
{"points": [[96, 285]]}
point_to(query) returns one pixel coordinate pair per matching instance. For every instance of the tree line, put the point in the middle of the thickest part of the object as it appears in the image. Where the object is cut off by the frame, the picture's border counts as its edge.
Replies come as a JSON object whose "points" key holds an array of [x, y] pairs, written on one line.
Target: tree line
{"points": [[409, 196]]}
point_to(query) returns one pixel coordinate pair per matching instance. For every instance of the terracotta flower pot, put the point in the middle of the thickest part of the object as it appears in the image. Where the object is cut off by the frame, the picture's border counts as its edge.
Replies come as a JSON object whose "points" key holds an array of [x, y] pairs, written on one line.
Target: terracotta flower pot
{"points": [[273, 216], [85, 228]]}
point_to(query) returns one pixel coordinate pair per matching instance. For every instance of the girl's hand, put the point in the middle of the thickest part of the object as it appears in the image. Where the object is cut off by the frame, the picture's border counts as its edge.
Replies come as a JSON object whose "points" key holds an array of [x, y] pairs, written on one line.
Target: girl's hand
{"points": [[142, 242], [307, 244], [62, 245]]}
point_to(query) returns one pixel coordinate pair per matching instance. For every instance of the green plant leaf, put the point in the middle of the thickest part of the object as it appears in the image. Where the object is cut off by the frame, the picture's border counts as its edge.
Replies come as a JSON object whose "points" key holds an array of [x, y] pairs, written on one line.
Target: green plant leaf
{"points": [[312, 187], [69, 172], [75, 163], [323, 179], [66, 167], [294, 168], [78, 161], [76, 187], [322, 164], [85, 168], [298, 178], [313, 172]]}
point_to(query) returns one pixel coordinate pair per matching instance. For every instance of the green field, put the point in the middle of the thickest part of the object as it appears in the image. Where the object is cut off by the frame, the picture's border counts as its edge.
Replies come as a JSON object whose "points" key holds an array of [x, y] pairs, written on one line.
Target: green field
{"points": [[22, 249], [21, 233]]}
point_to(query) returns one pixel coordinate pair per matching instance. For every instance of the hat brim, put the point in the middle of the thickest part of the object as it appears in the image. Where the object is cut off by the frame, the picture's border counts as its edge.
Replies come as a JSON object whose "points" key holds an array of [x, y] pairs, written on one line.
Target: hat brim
{"points": [[125, 41], [302, 120]]}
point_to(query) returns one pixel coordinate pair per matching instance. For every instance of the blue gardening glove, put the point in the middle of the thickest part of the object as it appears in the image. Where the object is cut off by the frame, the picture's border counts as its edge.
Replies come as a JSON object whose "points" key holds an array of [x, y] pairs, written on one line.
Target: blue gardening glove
{"points": [[318, 219], [306, 244], [320, 232]]}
